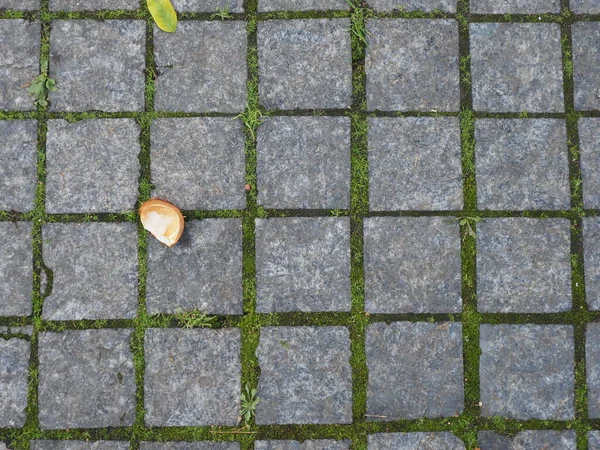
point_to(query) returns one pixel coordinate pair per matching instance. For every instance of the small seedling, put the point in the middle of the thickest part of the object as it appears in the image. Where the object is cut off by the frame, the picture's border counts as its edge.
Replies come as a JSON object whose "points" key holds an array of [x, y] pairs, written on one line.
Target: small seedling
{"points": [[42, 84], [194, 319], [249, 402], [469, 222], [222, 13], [358, 20], [252, 118]]}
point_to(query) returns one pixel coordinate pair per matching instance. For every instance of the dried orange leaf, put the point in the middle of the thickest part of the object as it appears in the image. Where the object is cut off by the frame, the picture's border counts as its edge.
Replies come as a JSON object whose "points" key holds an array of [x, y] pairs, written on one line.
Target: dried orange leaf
{"points": [[163, 220]]}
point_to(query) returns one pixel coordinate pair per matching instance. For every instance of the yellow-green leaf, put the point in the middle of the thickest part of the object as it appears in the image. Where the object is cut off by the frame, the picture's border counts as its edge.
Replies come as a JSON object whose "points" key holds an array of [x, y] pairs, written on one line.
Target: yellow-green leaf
{"points": [[163, 14]]}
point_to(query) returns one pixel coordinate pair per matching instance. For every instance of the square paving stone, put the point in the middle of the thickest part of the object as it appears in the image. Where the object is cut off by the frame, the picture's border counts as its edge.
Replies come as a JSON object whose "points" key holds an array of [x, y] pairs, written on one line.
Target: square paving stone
{"points": [[189, 446], [412, 265], [232, 6], [14, 373], [415, 164], [324, 444], [415, 441], [98, 65], [303, 264], [594, 440], [592, 347], [527, 371], [86, 379], [95, 268], [515, 6], [79, 445], [591, 253], [18, 170], [586, 65], [96, 5], [193, 377], [202, 272], [522, 164], [16, 269], [199, 162], [589, 144], [23, 5], [529, 440], [523, 265], [415, 370], [412, 65], [305, 64], [585, 7], [305, 376], [301, 5], [516, 67], [92, 166], [413, 5], [201, 67], [314, 155], [19, 62]]}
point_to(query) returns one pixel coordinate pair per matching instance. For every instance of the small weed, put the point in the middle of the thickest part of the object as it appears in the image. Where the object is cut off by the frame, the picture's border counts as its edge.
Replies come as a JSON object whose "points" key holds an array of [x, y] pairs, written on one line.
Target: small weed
{"points": [[42, 84], [358, 20], [249, 403], [251, 118], [222, 13], [336, 212], [193, 319], [469, 222], [465, 65]]}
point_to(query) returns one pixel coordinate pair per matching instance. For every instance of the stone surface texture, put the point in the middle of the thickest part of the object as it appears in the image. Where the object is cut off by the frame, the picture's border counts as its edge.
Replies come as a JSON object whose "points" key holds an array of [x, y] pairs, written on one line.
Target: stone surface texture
{"points": [[515, 6], [516, 67], [586, 64], [23, 5], [79, 445], [322, 444], [414, 5], [201, 67], [522, 164], [86, 379], [589, 144], [415, 441], [594, 440], [98, 65], [192, 377], [591, 255], [189, 446], [529, 440], [202, 272], [305, 376], [304, 163], [415, 370], [301, 5], [527, 371], [592, 350], [305, 64], [19, 62], [232, 6], [16, 269], [303, 264], [412, 265], [92, 166], [95, 268], [199, 162], [14, 375], [412, 65], [415, 164], [18, 165], [96, 5], [585, 6], [523, 265]]}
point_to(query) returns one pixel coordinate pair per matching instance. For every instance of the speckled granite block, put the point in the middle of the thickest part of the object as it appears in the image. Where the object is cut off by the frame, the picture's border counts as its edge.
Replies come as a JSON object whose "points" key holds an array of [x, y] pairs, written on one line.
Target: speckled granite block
{"points": [[189, 446], [591, 253], [528, 440], [320, 444], [23, 5], [301, 5], [585, 6], [592, 347], [586, 65], [515, 6], [14, 374], [589, 146], [415, 441], [16, 269], [232, 6], [92, 5], [594, 440], [414, 5], [79, 445]]}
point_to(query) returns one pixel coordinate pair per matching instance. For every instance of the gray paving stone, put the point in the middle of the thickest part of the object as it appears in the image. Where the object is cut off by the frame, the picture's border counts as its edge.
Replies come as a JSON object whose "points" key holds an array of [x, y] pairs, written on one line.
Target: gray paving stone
{"points": [[594, 440], [415, 441], [19, 62], [202, 67], [202, 272], [189, 446], [523, 265], [12, 330], [96, 5], [98, 65], [515, 6], [305, 64], [415, 370], [193, 377], [199, 162], [516, 67], [301, 5], [323, 444], [232, 6], [586, 63], [314, 155], [92, 166], [529, 440], [16, 269], [527, 371], [83, 258], [412, 265], [415, 164], [592, 349], [412, 65], [303, 264], [413, 5], [305, 376], [79, 445], [585, 6], [589, 146], [23, 5], [14, 373], [18, 159], [591, 251], [522, 164], [86, 379]]}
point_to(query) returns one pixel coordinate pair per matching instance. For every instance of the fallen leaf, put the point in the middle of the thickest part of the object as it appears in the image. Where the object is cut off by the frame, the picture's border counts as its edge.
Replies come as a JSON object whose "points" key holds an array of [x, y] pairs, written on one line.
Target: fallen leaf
{"points": [[163, 220]]}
